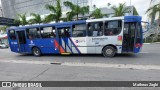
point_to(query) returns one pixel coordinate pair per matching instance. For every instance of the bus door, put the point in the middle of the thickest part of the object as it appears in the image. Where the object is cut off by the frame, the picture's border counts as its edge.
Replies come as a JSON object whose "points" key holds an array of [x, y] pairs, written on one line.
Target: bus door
{"points": [[63, 40], [13, 42], [21, 37], [132, 38]]}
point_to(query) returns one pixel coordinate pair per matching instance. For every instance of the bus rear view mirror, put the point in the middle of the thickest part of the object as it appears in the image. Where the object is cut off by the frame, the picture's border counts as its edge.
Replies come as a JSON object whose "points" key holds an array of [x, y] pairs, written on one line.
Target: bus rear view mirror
{"points": [[145, 26]]}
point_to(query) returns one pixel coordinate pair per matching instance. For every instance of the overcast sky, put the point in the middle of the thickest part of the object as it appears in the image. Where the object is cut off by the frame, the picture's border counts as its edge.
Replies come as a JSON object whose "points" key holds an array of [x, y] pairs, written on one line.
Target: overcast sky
{"points": [[141, 5]]}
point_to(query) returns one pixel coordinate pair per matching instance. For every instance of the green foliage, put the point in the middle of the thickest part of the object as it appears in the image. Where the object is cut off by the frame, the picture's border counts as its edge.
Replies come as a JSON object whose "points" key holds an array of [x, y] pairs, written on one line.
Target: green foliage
{"points": [[56, 12], [21, 20], [120, 10], [17, 21], [153, 10], [135, 11], [75, 10], [97, 13], [36, 19]]}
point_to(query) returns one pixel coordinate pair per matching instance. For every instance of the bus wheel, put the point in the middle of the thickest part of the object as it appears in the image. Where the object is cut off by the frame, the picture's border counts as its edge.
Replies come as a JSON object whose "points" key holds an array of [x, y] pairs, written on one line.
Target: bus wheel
{"points": [[36, 51], [109, 51]]}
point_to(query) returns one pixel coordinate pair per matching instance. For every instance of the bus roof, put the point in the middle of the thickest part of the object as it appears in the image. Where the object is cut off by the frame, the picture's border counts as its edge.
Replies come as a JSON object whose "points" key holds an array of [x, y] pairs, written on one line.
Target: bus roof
{"points": [[51, 24], [105, 19], [125, 18], [132, 19]]}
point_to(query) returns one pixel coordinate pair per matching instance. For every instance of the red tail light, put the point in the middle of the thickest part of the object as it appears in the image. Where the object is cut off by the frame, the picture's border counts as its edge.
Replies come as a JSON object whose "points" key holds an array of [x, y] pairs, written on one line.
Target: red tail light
{"points": [[119, 38], [138, 45]]}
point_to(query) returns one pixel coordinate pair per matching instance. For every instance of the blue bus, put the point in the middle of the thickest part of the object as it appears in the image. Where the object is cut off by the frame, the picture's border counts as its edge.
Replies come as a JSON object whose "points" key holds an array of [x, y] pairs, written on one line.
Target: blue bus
{"points": [[107, 36]]}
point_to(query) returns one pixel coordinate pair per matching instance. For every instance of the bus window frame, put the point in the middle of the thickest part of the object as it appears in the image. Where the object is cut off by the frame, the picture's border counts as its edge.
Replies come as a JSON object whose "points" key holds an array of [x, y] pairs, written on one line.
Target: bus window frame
{"points": [[72, 30], [59, 29], [121, 28], [93, 30], [53, 28], [14, 34], [27, 36]]}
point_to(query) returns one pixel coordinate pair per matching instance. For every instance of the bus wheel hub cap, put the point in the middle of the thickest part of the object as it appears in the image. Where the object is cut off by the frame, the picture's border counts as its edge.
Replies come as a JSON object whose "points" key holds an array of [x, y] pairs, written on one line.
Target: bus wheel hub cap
{"points": [[109, 51], [36, 52]]}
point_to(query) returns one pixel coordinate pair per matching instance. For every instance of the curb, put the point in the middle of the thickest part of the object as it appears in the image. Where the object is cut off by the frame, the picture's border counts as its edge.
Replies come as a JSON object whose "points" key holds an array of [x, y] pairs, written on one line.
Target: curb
{"points": [[146, 43], [80, 64], [152, 43]]}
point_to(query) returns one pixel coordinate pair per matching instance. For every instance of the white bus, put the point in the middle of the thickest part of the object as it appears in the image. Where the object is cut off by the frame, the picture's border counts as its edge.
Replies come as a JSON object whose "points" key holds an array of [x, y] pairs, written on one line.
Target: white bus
{"points": [[107, 36]]}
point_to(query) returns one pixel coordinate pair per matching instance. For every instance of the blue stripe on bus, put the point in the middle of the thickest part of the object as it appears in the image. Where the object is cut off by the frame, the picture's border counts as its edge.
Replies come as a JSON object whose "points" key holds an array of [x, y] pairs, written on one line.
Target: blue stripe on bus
{"points": [[75, 46]]}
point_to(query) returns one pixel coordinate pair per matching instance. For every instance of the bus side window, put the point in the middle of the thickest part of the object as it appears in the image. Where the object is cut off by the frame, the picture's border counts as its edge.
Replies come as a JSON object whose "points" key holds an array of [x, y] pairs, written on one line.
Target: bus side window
{"points": [[95, 29], [112, 28], [33, 33], [48, 32], [79, 30], [67, 31], [12, 34]]}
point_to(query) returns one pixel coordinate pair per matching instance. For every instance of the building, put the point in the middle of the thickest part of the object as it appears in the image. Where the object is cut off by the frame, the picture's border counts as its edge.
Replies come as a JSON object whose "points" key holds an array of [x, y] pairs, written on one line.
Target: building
{"points": [[1, 11], [13, 7], [132, 11]]}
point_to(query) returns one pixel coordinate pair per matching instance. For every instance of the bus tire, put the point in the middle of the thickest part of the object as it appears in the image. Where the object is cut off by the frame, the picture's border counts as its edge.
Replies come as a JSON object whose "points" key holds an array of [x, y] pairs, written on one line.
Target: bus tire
{"points": [[109, 51], [36, 51]]}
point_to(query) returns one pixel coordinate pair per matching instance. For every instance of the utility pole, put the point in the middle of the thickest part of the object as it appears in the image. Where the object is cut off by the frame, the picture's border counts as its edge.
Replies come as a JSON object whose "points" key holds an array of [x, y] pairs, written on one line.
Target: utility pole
{"points": [[131, 9]]}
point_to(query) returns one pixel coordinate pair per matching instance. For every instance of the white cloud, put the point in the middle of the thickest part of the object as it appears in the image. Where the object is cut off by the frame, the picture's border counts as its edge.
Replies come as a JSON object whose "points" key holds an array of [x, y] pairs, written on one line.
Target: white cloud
{"points": [[141, 5]]}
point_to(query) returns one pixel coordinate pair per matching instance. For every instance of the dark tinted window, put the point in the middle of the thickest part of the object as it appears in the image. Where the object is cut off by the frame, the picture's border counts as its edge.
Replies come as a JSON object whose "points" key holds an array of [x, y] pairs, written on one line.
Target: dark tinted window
{"points": [[48, 32], [79, 30], [64, 32], [139, 31], [95, 29], [132, 29], [12, 34], [33, 33], [112, 27]]}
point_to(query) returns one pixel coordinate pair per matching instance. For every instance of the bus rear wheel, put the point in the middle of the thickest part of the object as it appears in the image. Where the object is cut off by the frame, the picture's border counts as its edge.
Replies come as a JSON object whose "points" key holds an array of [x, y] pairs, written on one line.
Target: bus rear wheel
{"points": [[109, 51], [36, 51]]}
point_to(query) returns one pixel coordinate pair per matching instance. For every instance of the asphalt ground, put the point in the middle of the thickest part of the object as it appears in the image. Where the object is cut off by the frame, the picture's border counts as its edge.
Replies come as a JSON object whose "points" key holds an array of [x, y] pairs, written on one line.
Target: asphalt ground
{"points": [[150, 55], [144, 66]]}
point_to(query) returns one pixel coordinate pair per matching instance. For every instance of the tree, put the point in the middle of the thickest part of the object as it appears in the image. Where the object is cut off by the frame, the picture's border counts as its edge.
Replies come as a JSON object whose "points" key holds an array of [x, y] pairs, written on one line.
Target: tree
{"points": [[135, 11], [108, 5], [56, 12], [152, 12], [17, 21], [97, 13], [75, 10], [120, 10], [36, 19], [21, 20]]}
